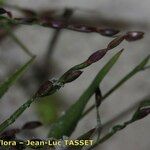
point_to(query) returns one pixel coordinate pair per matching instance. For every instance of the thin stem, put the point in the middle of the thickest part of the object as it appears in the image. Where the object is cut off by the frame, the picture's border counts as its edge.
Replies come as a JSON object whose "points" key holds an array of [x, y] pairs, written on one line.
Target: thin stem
{"points": [[60, 24], [113, 131], [65, 17], [53, 42], [99, 124], [98, 96], [16, 114], [18, 41], [24, 48], [140, 67]]}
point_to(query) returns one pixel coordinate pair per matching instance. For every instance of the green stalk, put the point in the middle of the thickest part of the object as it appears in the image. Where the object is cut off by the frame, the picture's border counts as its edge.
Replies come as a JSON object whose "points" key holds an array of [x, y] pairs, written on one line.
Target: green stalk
{"points": [[138, 68], [15, 115], [18, 41]]}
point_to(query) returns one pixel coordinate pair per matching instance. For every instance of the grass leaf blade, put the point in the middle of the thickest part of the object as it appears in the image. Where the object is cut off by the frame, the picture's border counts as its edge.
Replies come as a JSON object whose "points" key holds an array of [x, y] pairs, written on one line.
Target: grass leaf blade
{"points": [[13, 78], [67, 123], [140, 67]]}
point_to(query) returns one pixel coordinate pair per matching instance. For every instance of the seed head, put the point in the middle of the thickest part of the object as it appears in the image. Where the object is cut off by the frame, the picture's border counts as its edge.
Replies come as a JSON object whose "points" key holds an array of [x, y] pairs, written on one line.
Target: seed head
{"points": [[108, 32], [71, 76], [96, 56], [80, 28], [44, 89], [57, 24], [115, 42], [134, 35]]}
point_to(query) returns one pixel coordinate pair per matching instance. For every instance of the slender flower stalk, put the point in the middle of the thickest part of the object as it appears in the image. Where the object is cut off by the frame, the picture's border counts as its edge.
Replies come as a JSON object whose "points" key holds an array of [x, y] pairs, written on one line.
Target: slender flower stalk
{"points": [[98, 98], [142, 111], [15, 115], [65, 17], [55, 85], [61, 24], [17, 40], [51, 86]]}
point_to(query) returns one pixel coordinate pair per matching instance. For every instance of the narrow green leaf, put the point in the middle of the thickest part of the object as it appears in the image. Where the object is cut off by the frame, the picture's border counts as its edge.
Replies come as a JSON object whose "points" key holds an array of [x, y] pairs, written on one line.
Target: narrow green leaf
{"points": [[138, 68], [65, 125], [14, 77], [17, 40]]}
